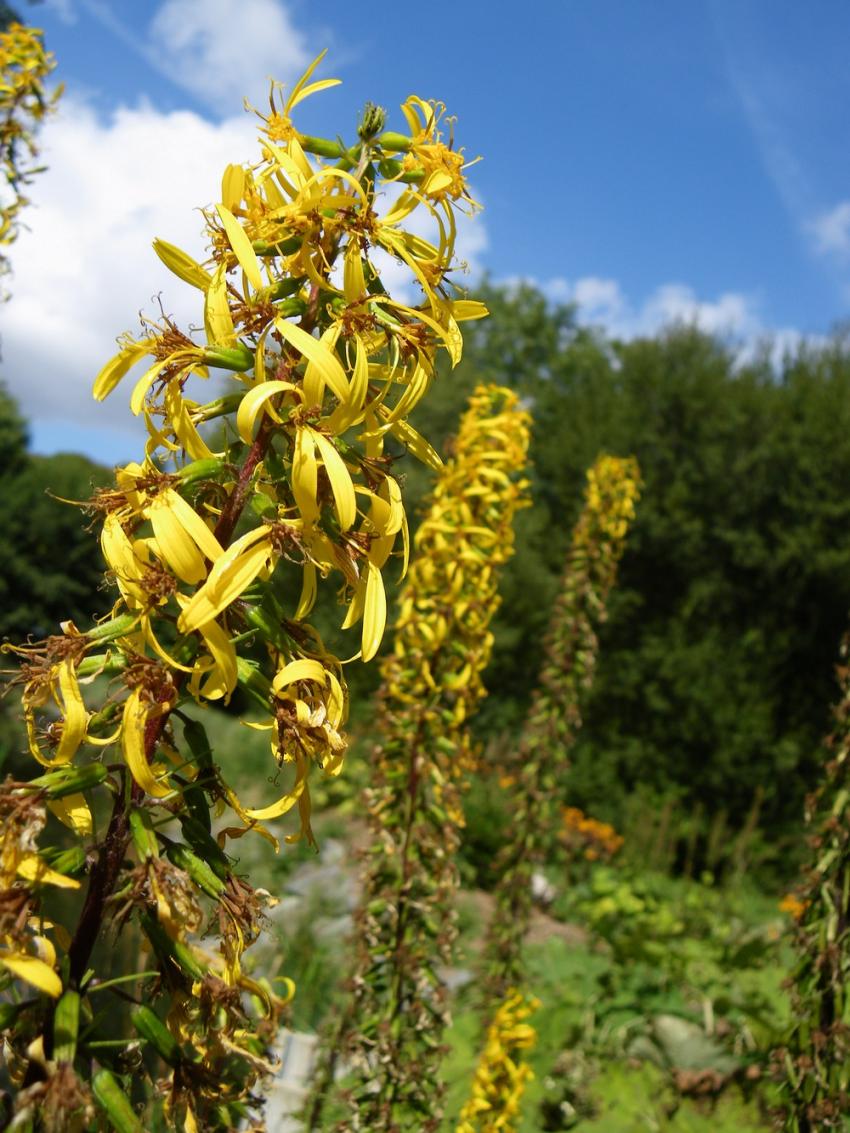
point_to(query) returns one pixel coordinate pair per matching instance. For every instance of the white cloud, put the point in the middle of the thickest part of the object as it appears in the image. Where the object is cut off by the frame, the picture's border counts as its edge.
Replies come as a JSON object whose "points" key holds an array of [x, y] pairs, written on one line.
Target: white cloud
{"points": [[600, 300], [222, 51], [86, 266], [732, 315], [831, 230]]}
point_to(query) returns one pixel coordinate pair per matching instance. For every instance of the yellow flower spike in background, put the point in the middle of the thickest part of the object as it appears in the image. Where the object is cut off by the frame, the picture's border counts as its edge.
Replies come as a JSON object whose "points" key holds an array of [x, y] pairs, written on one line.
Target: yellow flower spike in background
{"points": [[24, 104], [391, 1031], [321, 368], [499, 1082], [598, 542]]}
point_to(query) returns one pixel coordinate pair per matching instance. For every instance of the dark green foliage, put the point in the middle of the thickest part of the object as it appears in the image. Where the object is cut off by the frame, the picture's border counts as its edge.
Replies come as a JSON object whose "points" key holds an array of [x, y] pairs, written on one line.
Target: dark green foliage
{"points": [[9, 15], [50, 564], [715, 669]]}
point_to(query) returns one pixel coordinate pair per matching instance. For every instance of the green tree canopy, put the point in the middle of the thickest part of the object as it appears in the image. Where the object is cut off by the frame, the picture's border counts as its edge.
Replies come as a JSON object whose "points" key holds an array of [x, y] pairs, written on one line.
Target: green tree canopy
{"points": [[716, 667], [50, 564]]}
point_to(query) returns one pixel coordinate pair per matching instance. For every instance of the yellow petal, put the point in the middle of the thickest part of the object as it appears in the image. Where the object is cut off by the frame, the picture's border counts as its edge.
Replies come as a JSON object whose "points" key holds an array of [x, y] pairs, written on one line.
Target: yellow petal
{"points": [[241, 246], [287, 801], [354, 282], [143, 385], [312, 88], [176, 546], [117, 367], [355, 607], [73, 811], [374, 613], [193, 525], [237, 568], [305, 481], [136, 714], [314, 381], [218, 321], [350, 412], [309, 591], [75, 717], [31, 868], [223, 675], [149, 637], [183, 426], [415, 442], [33, 971], [316, 352], [465, 309], [304, 669], [253, 403], [182, 264], [340, 478], [304, 79], [233, 186]]}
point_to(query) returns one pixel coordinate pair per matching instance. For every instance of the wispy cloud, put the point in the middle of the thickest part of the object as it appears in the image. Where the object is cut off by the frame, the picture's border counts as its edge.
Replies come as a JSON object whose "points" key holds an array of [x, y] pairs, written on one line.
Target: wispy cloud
{"points": [[221, 51], [831, 231], [63, 9], [783, 98], [731, 315]]}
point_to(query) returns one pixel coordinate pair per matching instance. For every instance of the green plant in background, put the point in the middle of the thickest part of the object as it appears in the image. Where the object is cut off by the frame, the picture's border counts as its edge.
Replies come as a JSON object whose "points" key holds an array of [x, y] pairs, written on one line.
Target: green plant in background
{"points": [[325, 366], [555, 716], [702, 696], [815, 1059], [391, 1034], [570, 654], [24, 104]]}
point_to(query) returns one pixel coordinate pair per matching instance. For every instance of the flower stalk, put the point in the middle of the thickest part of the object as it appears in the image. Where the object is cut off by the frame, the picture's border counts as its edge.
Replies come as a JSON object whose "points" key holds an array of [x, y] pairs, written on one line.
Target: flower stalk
{"points": [[432, 683], [24, 104], [553, 722], [323, 366]]}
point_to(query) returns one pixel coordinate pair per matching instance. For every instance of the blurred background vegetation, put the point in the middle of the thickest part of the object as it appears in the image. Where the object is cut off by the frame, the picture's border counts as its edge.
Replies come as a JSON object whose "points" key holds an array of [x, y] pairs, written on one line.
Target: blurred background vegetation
{"points": [[716, 667], [660, 961]]}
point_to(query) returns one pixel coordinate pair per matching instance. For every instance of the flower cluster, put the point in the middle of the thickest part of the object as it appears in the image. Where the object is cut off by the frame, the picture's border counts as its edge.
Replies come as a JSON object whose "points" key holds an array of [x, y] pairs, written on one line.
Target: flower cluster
{"points": [[501, 1076], [24, 103], [432, 682], [202, 537], [597, 544], [25, 946], [588, 836]]}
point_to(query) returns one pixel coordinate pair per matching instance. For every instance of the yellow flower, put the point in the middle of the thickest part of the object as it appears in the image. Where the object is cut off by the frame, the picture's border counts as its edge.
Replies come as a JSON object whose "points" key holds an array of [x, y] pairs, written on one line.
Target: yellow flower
{"points": [[501, 1076], [443, 166]]}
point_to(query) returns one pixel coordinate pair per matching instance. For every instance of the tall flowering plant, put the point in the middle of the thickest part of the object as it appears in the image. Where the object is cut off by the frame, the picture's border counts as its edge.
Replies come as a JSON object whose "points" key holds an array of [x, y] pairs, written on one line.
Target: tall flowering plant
{"points": [[323, 366], [24, 104], [570, 652], [432, 683]]}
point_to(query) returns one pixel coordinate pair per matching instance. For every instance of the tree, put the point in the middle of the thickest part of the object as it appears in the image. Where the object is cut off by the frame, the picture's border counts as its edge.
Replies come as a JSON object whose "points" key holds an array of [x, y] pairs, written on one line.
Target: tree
{"points": [[715, 669]]}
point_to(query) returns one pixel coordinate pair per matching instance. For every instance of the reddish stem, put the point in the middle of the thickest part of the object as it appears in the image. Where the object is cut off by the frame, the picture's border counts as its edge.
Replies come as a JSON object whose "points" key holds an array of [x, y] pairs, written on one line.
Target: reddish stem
{"points": [[104, 874]]}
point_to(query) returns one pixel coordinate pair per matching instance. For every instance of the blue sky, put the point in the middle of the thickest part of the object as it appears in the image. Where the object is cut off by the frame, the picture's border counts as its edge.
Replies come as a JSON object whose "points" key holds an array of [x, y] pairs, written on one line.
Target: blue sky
{"points": [[649, 159]]}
